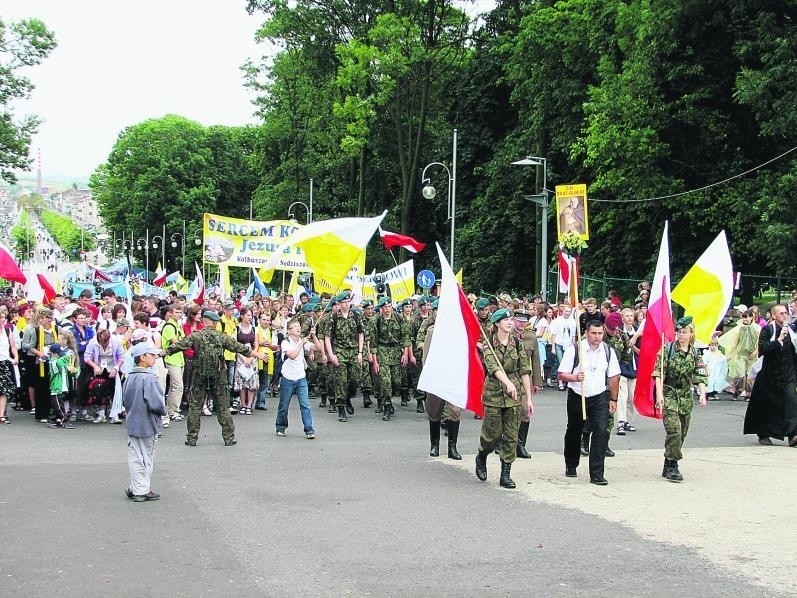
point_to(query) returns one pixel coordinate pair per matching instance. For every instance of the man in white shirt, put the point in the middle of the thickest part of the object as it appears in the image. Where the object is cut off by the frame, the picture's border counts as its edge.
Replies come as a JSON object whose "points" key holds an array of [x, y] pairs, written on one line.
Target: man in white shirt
{"points": [[563, 334], [597, 371]]}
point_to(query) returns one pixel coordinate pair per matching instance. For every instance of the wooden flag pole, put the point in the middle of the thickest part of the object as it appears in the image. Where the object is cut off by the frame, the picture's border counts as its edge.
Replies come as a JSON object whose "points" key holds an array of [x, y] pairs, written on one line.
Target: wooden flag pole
{"points": [[661, 373], [574, 287]]}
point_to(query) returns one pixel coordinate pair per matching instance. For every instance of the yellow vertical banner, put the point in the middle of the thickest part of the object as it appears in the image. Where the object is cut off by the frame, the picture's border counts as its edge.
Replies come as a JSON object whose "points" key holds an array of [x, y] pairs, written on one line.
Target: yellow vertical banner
{"points": [[571, 211]]}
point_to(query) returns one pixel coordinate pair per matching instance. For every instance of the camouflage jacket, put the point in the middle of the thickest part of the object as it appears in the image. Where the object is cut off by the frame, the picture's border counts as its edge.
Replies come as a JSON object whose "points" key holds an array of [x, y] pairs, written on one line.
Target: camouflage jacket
{"points": [[389, 337], [529, 343], [682, 369], [515, 363], [344, 333], [420, 336], [209, 349]]}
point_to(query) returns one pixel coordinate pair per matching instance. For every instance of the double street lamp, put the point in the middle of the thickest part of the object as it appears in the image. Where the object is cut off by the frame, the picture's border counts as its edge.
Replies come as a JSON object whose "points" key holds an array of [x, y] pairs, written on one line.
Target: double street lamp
{"points": [[308, 211], [429, 192], [540, 199]]}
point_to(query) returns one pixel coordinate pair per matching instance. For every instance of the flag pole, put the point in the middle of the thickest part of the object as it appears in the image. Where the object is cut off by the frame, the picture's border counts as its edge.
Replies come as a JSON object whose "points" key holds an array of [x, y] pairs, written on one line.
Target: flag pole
{"points": [[661, 372], [579, 348], [490, 346]]}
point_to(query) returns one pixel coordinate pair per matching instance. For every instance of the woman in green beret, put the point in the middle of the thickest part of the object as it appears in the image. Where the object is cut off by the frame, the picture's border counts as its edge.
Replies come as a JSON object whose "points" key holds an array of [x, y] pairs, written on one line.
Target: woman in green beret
{"points": [[508, 367]]}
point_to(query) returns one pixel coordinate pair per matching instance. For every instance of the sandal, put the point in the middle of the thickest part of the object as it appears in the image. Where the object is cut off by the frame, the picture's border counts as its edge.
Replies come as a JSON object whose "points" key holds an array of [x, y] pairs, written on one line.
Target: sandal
{"points": [[4, 420]]}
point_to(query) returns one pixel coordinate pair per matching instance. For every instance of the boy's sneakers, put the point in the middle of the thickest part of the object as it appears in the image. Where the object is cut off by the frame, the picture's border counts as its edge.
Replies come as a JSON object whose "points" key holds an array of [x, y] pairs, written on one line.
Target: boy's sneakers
{"points": [[100, 419]]}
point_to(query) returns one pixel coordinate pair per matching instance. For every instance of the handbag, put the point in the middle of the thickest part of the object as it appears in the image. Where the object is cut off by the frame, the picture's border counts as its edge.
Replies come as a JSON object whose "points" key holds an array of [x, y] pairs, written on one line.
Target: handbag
{"points": [[627, 370]]}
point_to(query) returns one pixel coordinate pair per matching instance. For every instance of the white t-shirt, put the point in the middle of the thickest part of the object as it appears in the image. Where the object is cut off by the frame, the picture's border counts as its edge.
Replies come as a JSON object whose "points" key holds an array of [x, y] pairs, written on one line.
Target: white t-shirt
{"points": [[564, 329], [293, 369], [594, 365]]}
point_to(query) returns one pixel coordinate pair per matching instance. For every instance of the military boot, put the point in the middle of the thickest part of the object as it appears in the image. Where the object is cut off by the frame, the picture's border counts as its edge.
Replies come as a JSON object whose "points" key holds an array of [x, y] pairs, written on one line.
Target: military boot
{"points": [[342, 414], [405, 397], [367, 402], [332, 408], [434, 438], [481, 465], [453, 434], [323, 402], [388, 410], [444, 426], [379, 407], [522, 435], [420, 408], [673, 474], [585, 443], [666, 467], [505, 480]]}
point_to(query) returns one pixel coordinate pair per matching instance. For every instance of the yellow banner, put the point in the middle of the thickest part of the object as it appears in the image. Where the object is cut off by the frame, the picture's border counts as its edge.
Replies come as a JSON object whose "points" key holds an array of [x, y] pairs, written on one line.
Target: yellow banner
{"points": [[571, 210]]}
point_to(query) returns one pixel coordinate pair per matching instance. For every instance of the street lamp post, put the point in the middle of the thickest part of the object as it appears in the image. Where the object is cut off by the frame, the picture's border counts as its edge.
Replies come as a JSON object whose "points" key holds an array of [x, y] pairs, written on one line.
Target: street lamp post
{"points": [[541, 200], [308, 211], [159, 239], [429, 192], [182, 246], [143, 243]]}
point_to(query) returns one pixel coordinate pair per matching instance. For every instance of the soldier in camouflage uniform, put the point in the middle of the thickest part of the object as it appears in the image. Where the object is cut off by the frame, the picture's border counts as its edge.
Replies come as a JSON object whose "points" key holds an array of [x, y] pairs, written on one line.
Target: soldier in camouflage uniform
{"points": [[408, 371], [366, 382], [209, 374], [422, 317], [507, 391], [390, 350], [682, 368], [528, 340], [344, 346], [325, 380], [307, 320]]}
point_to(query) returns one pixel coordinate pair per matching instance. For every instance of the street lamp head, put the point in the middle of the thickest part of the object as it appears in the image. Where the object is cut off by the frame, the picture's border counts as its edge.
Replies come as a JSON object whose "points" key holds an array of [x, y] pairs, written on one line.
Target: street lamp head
{"points": [[154, 245], [197, 241], [529, 161], [428, 192], [174, 244]]}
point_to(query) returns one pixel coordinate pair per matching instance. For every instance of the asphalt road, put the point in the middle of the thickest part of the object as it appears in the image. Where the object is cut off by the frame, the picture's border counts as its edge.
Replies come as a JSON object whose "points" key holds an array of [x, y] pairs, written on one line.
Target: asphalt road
{"points": [[361, 511]]}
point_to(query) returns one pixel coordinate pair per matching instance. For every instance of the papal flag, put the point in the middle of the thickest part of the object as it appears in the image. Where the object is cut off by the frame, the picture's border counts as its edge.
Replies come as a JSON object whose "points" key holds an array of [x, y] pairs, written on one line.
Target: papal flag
{"points": [[706, 291]]}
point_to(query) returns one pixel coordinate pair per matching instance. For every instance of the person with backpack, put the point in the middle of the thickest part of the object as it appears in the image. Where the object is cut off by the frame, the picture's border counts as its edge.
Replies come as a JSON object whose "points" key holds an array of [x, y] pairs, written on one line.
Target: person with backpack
{"points": [[391, 348], [589, 368], [507, 391], [344, 348], [681, 369]]}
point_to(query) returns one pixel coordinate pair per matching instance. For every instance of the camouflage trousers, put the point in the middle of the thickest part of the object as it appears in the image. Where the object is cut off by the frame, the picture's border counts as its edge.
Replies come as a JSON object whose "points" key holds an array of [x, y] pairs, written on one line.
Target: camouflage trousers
{"points": [[366, 382], [214, 388], [410, 373], [343, 376], [676, 425], [500, 422], [388, 378]]}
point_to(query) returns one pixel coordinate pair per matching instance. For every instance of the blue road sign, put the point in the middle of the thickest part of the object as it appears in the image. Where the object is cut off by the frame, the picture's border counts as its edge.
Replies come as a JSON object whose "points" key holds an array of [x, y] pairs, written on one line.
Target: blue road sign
{"points": [[426, 279]]}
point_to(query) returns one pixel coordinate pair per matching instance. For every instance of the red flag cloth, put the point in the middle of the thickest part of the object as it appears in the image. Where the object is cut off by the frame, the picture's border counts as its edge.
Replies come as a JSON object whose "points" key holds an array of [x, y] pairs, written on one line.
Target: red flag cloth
{"points": [[391, 240], [196, 292], [453, 369], [100, 276], [567, 264], [47, 288], [9, 268], [658, 326]]}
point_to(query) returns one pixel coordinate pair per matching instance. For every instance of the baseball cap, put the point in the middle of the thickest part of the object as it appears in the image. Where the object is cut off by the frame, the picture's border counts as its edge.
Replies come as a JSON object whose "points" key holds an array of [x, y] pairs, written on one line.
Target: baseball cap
{"points": [[142, 348]]}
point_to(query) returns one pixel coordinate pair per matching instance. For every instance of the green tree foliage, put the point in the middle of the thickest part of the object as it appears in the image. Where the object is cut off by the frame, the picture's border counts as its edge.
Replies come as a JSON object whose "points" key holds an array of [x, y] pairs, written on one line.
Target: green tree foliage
{"points": [[23, 235], [70, 237], [23, 44], [168, 172]]}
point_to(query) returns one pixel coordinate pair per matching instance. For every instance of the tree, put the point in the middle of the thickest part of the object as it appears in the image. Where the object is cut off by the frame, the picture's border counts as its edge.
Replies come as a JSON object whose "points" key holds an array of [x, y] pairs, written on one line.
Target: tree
{"points": [[23, 44]]}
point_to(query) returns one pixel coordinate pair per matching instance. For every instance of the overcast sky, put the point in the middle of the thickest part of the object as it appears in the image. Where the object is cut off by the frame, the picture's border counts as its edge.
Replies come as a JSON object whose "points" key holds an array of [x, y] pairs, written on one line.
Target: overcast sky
{"points": [[119, 63]]}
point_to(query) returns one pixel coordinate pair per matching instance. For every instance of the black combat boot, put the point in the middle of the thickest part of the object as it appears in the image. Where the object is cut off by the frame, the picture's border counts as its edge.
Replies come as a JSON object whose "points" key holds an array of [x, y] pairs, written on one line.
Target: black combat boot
{"points": [[666, 467], [323, 402], [367, 402], [434, 438], [585, 443], [673, 474], [481, 465], [379, 406], [505, 480], [522, 435], [453, 434], [332, 408], [349, 407], [388, 410], [444, 426], [342, 414], [405, 397], [419, 408]]}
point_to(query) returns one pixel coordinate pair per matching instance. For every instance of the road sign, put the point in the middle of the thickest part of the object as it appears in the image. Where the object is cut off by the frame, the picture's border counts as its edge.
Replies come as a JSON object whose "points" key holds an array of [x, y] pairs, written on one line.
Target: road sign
{"points": [[426, 279]]}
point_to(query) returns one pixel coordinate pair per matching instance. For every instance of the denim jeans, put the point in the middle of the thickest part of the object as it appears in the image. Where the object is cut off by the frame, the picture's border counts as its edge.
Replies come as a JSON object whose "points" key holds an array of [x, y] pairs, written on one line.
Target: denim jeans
{"points": [[287, 389], [262, 390]]}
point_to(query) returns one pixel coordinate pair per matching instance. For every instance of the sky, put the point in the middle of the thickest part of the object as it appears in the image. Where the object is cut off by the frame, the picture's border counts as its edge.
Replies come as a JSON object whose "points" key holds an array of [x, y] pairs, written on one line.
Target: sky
{"points": [[118, 64]]}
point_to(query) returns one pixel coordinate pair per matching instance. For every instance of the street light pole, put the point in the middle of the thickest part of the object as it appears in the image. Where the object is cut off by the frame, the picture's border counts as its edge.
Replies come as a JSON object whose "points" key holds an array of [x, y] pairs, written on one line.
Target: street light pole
{"points": [[542, 201], [428, 191], [310, 211]]}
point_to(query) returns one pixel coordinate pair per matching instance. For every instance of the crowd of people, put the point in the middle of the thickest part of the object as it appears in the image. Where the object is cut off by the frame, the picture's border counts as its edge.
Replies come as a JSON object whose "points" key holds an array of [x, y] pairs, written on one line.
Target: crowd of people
{"points": [[66, 362]]}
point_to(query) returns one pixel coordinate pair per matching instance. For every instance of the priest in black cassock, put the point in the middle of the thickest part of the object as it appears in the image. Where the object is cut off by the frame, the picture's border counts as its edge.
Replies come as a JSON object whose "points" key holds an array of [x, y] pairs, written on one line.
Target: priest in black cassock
{"points": [[772, 410]]}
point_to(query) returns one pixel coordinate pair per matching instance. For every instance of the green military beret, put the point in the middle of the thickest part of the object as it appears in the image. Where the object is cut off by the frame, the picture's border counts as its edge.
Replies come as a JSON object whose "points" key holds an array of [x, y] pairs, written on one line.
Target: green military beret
{"points": [[683, 322], [307, 308], [211, 315], [499, 315], [319, 306], [405, 302], [366, 304], [384, 301], [358, 310], [344, 296], [482, 303], [434, 303], [424, 301]]}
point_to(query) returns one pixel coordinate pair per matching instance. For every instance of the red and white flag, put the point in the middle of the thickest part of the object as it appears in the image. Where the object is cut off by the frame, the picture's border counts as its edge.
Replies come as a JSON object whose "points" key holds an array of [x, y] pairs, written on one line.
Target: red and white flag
{"points": [[568, 267], [453, 369], [47, 288], [9, 269], [659, 329], [196, 292], [391, 240], [160, 276]]}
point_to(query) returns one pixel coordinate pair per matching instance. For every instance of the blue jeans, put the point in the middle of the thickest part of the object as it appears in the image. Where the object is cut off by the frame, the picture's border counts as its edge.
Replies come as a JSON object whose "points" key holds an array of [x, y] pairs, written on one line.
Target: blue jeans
{"points": [[287, 390], [262, 390]]}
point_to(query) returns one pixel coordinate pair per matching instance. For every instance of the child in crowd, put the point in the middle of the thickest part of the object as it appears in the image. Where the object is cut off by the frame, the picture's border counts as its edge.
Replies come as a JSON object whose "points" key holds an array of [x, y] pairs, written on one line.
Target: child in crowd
{"points": [[716, 369], [59, 386]]}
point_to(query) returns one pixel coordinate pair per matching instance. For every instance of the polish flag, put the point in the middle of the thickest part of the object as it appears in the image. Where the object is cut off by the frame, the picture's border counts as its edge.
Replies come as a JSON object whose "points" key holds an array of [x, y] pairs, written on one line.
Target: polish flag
{"points": [[196, 293], [567, 265], [47, 288], [160, 276], [453, 369], [9, 268], [659, 329], [391, 240]]}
